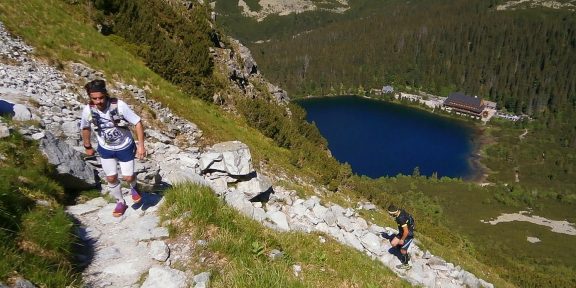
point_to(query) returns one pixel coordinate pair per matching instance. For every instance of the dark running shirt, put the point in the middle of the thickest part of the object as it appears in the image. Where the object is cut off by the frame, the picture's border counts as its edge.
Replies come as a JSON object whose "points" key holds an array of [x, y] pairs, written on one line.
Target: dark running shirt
{"points": [[405, 219]]}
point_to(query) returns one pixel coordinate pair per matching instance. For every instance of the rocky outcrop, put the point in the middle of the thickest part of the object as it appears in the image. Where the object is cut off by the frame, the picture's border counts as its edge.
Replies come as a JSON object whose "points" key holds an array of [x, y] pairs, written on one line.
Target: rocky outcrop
{"points": [[73, 172], [231, 157], [242, 71], [231, 162], [286, 7]]}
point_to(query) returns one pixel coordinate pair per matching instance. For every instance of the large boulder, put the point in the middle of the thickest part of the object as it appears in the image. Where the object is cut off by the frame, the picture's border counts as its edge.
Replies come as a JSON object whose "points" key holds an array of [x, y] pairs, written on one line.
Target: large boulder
{"points": [[73, 171], [232, 157], [161, 276], [22, 113], [255, 186]]}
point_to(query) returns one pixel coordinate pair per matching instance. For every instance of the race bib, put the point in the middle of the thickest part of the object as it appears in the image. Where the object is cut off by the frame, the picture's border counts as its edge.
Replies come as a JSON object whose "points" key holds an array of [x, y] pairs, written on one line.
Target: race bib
{"points": [[113, 136]]}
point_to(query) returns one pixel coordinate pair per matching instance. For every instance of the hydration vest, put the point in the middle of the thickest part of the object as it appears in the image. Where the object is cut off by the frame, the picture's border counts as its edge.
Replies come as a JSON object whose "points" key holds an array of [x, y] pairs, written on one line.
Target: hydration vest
{"points": [[412, 224], [115, 115]]}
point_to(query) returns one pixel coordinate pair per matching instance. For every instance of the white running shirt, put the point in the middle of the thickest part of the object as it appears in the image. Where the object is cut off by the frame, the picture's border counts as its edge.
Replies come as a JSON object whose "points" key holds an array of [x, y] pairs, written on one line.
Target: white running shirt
{"points": [[111, 137]]}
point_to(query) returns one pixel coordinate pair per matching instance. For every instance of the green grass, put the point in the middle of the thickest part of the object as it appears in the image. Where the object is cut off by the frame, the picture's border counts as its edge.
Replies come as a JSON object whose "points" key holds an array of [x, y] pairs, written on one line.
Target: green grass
{"points": [[36, 241], [545, 158], [241, 247]]}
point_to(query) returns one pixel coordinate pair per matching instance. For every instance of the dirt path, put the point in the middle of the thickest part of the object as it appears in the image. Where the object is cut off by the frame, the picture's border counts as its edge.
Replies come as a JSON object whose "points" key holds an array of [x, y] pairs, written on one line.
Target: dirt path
{"points": [[523, 134]]}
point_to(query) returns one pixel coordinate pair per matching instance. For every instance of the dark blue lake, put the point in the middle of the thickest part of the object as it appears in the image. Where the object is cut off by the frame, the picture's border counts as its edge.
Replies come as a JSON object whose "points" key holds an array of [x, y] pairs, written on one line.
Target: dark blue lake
{"points": [[379, 138]]}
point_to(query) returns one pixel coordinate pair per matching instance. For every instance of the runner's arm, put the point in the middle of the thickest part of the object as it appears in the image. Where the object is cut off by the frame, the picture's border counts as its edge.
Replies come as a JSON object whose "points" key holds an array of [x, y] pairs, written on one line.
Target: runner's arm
{"points": [[140, 148], [405, 232], [86, 141]]}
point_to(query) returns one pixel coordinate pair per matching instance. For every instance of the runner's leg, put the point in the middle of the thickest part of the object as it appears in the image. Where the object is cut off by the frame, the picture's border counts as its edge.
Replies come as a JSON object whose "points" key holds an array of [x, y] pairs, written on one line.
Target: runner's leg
{"points": [[109, 167]]}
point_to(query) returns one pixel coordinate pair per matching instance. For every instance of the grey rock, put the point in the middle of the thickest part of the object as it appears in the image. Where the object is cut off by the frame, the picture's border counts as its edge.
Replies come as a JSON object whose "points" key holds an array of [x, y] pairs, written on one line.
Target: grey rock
{"points": [[159, 250], [232, 157], [330, 218], [280, 219], [158, 136], [73, 171], [71, 129], [4, 131], [275, 254], [201, 280], [296, 269], [255, 186], [23, 283], [345, 223], [320, 211], [353, 241], [373, 243], [469, 279], [165, 277]]}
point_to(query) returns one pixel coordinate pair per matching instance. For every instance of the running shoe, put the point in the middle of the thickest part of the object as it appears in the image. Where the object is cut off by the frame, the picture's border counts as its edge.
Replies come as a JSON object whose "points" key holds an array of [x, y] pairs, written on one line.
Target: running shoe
{"points": [[135, 195], [404, 266], [120, 209]]}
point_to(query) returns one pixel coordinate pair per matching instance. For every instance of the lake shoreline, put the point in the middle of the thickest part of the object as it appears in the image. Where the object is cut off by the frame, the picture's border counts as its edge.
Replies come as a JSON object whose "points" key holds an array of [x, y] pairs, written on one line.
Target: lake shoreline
{"points": [[479, 171]]}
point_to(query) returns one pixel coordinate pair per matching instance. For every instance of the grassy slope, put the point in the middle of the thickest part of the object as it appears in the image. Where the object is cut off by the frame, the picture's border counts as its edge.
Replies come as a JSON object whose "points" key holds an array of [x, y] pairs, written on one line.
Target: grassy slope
{"points": [[238, 249], [36, 241], [60, 34]]}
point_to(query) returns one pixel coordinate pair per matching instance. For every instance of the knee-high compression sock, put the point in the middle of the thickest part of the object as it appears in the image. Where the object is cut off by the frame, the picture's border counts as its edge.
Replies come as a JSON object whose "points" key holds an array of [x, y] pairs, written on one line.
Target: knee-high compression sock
{"points": [[116, 191]]}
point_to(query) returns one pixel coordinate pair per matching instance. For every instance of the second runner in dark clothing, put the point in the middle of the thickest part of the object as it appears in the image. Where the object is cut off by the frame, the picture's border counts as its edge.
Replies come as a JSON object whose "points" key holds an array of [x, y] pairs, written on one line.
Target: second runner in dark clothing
{"points": [[405, 235]]}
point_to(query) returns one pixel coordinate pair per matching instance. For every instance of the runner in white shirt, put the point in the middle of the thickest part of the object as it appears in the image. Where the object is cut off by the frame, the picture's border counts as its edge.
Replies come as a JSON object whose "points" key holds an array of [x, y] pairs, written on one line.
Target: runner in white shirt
{"points": [[109, 118]]}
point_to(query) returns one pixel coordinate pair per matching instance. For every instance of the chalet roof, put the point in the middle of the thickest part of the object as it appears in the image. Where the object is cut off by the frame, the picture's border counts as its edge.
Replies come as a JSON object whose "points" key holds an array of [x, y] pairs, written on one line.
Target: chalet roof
{"points": [[464, 103], [460, 98]]}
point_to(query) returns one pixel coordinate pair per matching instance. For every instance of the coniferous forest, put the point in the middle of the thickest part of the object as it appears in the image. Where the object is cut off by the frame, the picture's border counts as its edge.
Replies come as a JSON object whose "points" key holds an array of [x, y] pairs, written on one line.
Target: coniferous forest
{"points": [[524, 60], [172, 47]]}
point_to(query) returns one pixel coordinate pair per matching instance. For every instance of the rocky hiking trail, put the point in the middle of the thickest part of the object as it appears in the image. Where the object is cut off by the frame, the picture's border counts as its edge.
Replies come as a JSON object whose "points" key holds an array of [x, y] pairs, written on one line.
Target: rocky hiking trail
{"points": [[135, 250], [119, 250]]}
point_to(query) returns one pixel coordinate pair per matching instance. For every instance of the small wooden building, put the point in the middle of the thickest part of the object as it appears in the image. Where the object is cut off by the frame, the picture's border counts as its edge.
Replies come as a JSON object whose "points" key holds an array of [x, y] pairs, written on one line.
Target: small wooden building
{"points": [[459, 102]]}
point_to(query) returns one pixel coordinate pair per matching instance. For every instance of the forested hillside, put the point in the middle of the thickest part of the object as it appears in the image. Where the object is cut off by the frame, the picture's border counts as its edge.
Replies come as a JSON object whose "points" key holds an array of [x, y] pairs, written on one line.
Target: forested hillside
{"points": [[523, 60], [175, 49]]}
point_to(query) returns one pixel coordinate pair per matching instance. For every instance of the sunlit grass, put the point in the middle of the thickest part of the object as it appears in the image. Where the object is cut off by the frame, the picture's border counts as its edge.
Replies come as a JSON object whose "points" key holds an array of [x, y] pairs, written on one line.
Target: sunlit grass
{"points": [[35, 240], [241, 246]]}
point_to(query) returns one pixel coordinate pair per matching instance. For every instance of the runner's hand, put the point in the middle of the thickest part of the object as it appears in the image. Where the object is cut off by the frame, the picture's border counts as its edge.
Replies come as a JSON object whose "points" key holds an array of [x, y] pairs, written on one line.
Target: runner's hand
{"points": [[140, 152], [90, 151]]}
